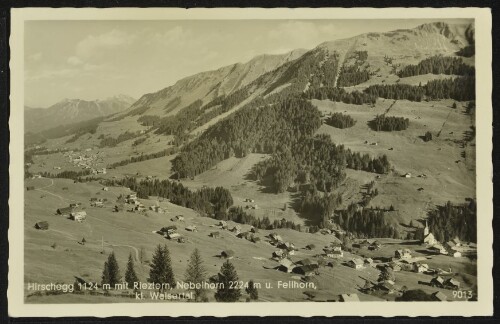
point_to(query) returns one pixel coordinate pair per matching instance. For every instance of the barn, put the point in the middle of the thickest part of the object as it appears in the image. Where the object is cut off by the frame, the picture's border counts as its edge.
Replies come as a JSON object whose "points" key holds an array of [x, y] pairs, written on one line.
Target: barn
{"points": [[42, 225]]}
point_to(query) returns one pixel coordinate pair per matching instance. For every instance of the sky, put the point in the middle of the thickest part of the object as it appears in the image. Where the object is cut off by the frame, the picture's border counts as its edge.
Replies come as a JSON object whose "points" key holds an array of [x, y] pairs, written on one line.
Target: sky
{"points": [[98, 59]]}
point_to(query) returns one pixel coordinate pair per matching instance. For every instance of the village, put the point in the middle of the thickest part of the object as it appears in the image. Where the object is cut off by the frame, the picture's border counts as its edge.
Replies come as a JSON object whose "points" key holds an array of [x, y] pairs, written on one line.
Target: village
{"points": [[388, 268]]}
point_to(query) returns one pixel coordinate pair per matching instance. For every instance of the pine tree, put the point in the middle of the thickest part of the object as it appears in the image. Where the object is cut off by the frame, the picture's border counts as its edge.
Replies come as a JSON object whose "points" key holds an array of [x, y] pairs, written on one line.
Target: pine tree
{"points": [[161, 267], [111, 272], [130, 275], [196, 273], [227, 276], [252, 290]]}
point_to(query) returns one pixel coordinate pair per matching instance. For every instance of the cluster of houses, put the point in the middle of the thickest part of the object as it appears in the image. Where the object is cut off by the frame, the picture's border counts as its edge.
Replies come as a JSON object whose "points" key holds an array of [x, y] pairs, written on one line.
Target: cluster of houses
{"points": [[72, 213], [454, 247], [85, 161], [97, 202]]}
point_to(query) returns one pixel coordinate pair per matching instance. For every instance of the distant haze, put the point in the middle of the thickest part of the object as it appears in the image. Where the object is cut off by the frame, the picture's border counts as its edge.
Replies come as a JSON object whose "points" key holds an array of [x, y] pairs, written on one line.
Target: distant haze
{"points": [[97, 59]]}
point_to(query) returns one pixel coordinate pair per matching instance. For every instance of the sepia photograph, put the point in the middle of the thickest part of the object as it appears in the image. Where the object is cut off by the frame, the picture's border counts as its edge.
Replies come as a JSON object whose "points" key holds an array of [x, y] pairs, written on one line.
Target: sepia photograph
{"points": [[246, 158]]}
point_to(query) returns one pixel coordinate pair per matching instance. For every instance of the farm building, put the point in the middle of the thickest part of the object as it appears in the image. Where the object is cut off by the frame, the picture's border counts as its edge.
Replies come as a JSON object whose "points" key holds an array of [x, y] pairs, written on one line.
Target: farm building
{"points": [[30, 188], [79, 216], [451, 283], [275, 237], [407, 175], [402, 254], [227, 254], [395, 266], [438, 249], [305, 270], [215, 234], [387, 286], [140, 208], [222, 224], [105, 188], [457, 254], [308, 262], [439, 296], [75, 205], [65, 211], [457, 241], [286, 265], [156, 209], [97, 203], [254, 230], [332, 253], [118, 208], [279, 254], [375, 245], [42, 225], [236, 229], [349, 298], [191, 228], [310, 246], [369, 261], [437, 282], [178, 218], [355, 263]]}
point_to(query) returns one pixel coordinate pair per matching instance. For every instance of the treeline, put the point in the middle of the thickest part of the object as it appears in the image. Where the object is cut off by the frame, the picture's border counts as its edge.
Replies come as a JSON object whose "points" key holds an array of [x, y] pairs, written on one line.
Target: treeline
{"points": [[317, 161], [144, 157], [207, 201], [340, 95], [389, 123], [365, 222], [318, 208], [112, 142], [250, 129], [449, 221], [340, 120], [238, 215], [438, 65], [460, 88], [67, 174]]}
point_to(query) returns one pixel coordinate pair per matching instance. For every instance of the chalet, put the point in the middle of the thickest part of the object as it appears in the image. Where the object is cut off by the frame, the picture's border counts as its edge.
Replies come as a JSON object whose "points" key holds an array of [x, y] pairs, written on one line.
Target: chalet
{"points": [[395, 266], [222, 224], [369, 261], [36, 176], [457, 254], [332, 253], [191, 228], [65, 211], [279, 254], [227, 254], [179, 218], [286, 265], [402, 254], [215, 234], [437, 282], [156, 209], [305, 270], [308, 261], [181, 240], [349, 298], [254, 239], [42, 225], [457, 241], [140, 208], [451, 283], [97, 203], [287, 246], [374, 246], [275, 237], [244, 235], [407, 175], [30, 188], [79, 216], [105, 188], [355, 263], [75, 205], [387, 286], [362, 245], [254, 230], [249, 200], [420, 267], [439, 296]]}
